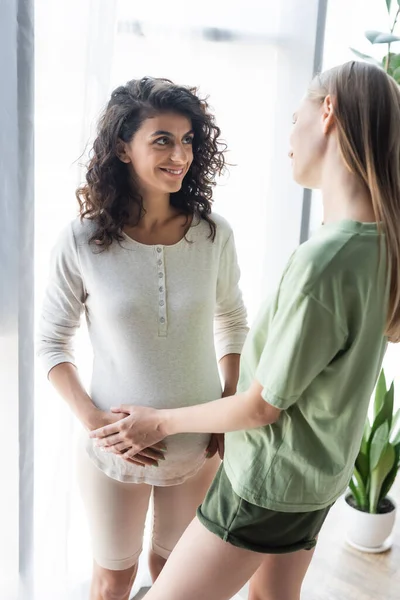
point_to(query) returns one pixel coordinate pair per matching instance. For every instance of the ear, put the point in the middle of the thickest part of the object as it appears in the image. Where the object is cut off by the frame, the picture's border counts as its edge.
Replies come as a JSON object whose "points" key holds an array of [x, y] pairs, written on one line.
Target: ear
{"points": [[122, 152], [328, 117]]}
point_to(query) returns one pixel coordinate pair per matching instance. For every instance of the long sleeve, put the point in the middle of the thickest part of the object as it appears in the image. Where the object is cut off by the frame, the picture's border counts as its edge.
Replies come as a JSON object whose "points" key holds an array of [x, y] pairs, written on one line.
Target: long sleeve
{"points": [[63, 304], [230, 323]]}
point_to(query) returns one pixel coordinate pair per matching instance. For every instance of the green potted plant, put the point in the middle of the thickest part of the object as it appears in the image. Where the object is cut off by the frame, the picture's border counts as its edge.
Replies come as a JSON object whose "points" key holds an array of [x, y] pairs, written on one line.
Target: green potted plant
{"points": [[391, 60], [370, 511]]}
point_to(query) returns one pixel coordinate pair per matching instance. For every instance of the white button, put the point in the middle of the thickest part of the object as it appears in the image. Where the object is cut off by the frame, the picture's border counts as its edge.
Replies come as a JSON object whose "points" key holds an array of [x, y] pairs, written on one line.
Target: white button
{"points": [[161, 289], [162, 320], [161, 302], [159, 250], [159, 262], [160, 275]]}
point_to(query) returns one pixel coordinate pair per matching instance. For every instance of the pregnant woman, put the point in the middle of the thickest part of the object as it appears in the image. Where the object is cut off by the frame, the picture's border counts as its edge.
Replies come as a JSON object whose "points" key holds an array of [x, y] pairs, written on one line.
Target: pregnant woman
{"points": [[156, 274]]}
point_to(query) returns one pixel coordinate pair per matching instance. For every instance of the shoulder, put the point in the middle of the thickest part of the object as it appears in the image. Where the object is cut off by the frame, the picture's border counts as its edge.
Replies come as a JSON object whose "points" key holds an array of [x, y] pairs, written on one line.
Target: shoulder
{"points": [[72, 238], [322, 259], [222, 224], [223, 230], [82, 230]]}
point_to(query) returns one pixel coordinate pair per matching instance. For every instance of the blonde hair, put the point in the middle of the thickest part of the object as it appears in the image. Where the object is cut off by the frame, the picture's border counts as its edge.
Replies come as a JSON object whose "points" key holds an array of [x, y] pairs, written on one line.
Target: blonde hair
{"points": [[366, 106]]}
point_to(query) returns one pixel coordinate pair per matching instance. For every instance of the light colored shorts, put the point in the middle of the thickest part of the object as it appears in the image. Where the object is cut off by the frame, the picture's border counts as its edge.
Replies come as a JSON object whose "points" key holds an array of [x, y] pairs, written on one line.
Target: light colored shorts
{"points": [[116, 512]]}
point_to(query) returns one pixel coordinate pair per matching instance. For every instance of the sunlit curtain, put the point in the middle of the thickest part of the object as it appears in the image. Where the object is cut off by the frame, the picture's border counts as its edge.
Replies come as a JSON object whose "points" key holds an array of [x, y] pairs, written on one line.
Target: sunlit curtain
{"points": [[16, 302]]}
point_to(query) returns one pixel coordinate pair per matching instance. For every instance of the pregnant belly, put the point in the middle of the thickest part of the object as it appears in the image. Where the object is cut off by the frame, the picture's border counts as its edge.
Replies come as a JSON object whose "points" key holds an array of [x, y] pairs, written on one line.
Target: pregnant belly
{"points": [[146, 389], [184, 457]]}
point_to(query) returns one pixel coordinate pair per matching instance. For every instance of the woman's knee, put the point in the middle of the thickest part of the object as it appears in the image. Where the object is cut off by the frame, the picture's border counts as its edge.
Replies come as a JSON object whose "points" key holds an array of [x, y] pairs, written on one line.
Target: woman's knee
{"points": [[114, 585], [156, 564]]}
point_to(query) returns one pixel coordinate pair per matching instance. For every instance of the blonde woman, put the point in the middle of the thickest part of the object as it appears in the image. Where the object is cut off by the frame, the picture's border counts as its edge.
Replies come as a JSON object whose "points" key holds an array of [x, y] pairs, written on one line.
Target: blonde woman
{"points": [[309, 364]]}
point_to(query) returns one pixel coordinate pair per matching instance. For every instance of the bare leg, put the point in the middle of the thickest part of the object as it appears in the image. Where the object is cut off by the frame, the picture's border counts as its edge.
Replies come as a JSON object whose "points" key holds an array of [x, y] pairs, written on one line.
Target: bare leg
{"points": [[174, 509], [203, 567], [280, 576], [156, 564], [112, 585]]}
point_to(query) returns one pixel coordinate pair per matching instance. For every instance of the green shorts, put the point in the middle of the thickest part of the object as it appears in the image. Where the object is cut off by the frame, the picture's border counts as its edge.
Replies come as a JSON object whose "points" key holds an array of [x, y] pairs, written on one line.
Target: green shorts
{"points": [[246, 525]]}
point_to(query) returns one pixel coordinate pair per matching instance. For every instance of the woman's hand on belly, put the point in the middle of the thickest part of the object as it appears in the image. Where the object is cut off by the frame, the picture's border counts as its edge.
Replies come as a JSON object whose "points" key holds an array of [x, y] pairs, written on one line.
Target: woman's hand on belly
{"points": [[101, 418], [147, 457]]}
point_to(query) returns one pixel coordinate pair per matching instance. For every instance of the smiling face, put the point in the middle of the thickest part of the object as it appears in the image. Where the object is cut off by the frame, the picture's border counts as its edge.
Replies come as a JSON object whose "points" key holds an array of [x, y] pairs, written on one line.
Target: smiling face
{"points": [[160, 153]]}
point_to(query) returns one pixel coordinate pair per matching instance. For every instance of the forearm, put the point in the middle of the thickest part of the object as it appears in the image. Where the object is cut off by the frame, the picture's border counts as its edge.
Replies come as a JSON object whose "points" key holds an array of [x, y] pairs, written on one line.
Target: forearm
{"points": [[65, 379], [229, 365], [246, 410]]}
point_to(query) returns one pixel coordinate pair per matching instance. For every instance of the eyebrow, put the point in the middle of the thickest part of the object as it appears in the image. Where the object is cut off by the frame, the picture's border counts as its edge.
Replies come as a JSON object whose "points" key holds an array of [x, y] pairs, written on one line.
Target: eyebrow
{"points": [[168, 133]]}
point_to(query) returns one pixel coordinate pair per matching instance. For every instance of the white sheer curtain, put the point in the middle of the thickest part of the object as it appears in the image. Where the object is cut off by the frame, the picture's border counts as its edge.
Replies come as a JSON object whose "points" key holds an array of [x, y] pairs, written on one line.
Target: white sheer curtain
{"points": [[254, 60], [74, 50], [16, 285]]}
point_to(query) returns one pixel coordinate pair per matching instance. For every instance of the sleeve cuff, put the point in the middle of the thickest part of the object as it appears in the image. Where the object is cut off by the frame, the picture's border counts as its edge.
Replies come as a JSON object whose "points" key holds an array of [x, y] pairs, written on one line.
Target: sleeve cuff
{"points": [[277, 401], [233, 348], [50, 362]]}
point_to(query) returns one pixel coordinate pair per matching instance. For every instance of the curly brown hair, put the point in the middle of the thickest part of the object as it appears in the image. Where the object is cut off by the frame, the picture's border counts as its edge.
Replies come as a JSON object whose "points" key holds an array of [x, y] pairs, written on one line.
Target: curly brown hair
{"points": [[109, 194]]}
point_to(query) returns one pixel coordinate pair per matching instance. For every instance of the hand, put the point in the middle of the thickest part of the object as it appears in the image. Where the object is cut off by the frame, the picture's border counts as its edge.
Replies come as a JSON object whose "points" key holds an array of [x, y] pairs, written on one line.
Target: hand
{"points": [[228, 391], [138, 432], [100, 418], [217, 441], [217, 444], [150, 456]]}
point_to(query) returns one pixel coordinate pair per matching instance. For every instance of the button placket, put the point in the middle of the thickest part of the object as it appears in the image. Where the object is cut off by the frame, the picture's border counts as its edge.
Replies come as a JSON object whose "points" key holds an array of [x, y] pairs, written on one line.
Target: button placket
{"points": [[162, 300]]}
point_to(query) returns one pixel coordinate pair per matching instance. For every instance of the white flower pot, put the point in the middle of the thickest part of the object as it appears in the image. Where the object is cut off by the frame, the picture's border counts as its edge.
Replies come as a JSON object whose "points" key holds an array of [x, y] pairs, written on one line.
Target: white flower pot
{"points": [[367, 532]]}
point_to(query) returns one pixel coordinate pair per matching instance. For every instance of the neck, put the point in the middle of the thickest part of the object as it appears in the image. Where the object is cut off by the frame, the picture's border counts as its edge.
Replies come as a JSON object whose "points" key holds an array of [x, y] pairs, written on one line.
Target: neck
{"points": [[157, 210], [344, 196]]}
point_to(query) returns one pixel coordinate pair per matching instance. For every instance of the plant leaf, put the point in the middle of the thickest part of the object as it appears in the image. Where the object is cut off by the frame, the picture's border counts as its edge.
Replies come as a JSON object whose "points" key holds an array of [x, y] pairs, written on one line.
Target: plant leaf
{"points": [[385, 413], [388, 404], [361, 490], [384, 61], [365, 437], [355, 492], [389, 481], [380, 393], [396, 74], [362, 466], [366, 57], [394, 60], [396, 439], [380, 37], [388, 5], [386, 38], [395, 423], [378, 444], [378, 476]]}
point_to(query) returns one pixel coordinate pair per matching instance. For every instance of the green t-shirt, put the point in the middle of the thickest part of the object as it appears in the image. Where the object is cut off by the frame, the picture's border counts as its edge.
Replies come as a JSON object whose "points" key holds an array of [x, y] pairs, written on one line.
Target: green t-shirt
{"points": [[316, 348]]}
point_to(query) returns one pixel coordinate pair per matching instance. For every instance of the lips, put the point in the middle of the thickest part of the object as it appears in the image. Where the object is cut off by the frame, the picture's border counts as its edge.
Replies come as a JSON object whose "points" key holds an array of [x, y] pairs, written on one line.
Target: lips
{"points": [[176, 172]]}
